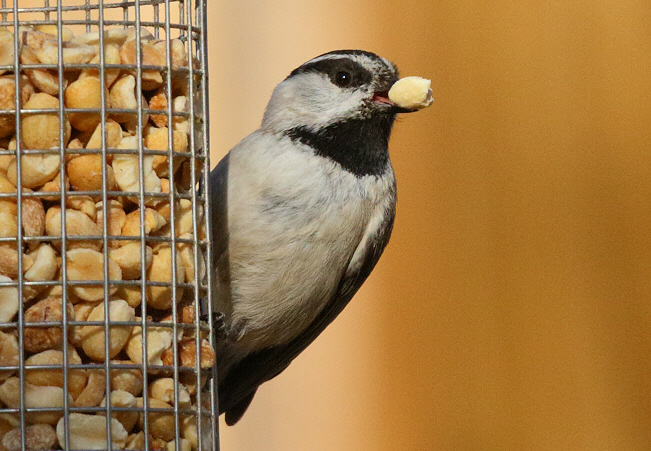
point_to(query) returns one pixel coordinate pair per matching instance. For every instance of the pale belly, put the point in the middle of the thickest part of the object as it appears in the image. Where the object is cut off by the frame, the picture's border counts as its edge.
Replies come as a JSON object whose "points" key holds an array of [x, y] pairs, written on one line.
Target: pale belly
{"points": [[284, 274]]}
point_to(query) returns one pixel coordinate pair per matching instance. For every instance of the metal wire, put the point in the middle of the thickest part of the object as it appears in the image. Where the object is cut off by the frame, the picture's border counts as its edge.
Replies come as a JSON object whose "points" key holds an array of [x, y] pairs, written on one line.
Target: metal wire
{"points": [[165, 21], [21, 309], [64, 240]]}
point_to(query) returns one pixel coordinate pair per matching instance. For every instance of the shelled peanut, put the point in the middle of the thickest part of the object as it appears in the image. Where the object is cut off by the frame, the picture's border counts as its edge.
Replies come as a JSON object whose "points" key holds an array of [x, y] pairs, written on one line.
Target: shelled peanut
{"points": [[98, 225]]}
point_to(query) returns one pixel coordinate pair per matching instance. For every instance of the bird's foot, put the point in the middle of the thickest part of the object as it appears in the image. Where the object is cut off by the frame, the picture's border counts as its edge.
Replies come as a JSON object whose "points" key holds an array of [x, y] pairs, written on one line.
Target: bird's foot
{"points": [[218, 323]]}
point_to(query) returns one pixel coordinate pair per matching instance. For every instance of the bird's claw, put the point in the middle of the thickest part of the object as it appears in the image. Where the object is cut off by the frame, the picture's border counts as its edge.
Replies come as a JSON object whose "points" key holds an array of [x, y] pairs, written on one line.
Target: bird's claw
{"points": [[218, 323]]}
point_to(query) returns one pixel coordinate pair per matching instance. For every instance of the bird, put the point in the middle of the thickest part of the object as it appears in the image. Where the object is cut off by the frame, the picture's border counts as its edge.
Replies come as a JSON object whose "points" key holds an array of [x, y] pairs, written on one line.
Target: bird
{"points": [[301, 210]]}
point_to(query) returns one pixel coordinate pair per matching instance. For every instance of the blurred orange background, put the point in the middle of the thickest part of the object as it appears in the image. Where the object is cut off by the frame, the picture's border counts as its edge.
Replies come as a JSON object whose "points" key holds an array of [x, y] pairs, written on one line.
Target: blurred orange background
{"points": [[511, 309]]}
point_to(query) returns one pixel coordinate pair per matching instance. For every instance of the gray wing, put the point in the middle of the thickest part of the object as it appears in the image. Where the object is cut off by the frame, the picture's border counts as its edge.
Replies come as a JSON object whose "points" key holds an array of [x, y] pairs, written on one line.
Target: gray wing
{"points": [[238, 388], [219, 223]]}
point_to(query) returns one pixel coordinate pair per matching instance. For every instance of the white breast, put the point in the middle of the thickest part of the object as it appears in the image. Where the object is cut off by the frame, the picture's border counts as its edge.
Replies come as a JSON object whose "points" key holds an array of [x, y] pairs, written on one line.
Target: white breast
{"points": [[295, 221]]}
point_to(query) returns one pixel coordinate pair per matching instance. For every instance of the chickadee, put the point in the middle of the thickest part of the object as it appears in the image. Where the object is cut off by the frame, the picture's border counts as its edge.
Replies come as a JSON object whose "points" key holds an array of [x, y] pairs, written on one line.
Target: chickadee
{"points": [[302, 209]]}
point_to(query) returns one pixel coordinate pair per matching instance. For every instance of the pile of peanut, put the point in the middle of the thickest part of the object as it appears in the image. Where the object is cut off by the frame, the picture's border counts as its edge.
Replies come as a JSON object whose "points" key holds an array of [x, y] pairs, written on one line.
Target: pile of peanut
{"points": [[84, 168]]}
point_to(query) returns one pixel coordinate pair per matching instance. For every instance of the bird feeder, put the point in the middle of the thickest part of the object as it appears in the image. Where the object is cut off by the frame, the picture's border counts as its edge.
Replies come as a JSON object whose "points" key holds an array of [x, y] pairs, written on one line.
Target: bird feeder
{"points": [[104, 343]]}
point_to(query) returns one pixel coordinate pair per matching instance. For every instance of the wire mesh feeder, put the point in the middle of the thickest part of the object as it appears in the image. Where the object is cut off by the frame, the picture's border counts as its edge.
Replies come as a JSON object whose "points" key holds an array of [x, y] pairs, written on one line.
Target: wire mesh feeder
{"points": [[106, 239]]}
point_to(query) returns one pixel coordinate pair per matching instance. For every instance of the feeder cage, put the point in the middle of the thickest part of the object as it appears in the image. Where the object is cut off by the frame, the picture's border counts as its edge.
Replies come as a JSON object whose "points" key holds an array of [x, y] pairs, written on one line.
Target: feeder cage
{"points": [[105, 330]]}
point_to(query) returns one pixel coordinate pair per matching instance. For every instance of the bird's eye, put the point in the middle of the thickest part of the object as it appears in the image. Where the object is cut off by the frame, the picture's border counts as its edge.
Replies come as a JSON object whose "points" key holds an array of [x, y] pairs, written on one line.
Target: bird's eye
{"points": [[343, 79]]}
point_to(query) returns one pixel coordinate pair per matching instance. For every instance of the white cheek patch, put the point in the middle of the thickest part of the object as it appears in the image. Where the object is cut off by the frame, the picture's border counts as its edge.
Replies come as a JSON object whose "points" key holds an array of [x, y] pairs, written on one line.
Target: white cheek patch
{"points": [[310, 100], [316, 94]]}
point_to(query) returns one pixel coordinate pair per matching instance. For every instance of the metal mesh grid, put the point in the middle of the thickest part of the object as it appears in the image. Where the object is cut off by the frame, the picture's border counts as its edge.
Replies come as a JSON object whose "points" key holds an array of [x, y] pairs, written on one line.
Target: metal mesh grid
{"points": [[159, 141]]}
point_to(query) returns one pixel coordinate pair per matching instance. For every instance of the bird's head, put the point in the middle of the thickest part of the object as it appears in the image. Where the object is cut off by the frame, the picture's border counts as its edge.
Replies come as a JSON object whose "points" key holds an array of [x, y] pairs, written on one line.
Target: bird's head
{"points": [[333, 88]]}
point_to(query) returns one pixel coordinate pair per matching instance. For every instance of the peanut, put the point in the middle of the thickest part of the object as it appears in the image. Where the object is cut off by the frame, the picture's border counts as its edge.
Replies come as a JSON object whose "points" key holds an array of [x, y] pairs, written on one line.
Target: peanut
{"points": [[185, 445], [42, 79], [161, 271], [77, 224], [36, 170], [151, 56], [37, 437], [120, 398], [41, 130], [37, 339], [86, 265], [159, 339], [93, 392], [35, 397], [161, 424], [123, 379], [85, 173], [8, 301], [77, 378], [7, 423], [89, 432], [7, 102], [163, 390], [128, 257], [8, 354], [187, 354], [93, 337], [6, 48], [111, 56], [84, 93]]}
